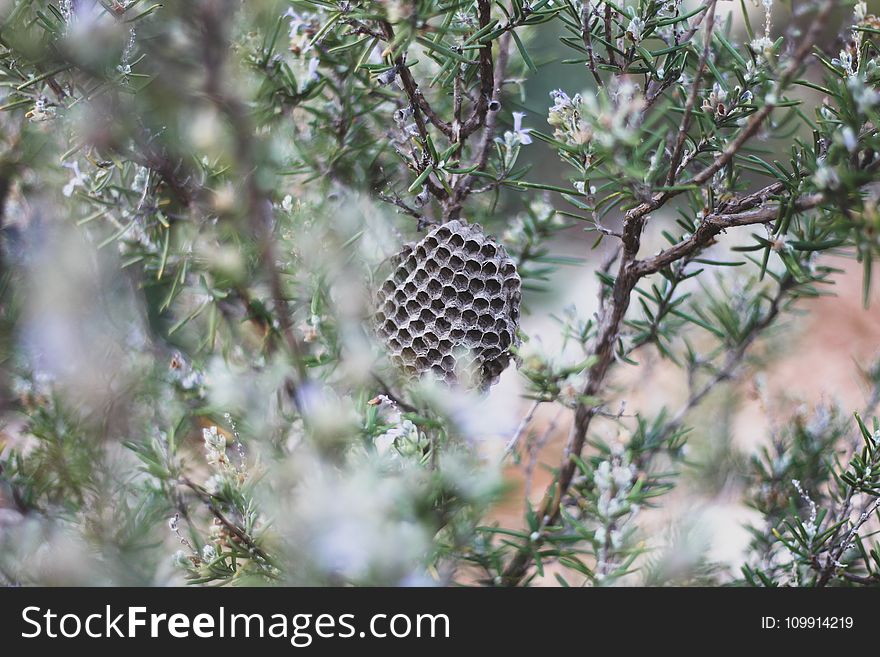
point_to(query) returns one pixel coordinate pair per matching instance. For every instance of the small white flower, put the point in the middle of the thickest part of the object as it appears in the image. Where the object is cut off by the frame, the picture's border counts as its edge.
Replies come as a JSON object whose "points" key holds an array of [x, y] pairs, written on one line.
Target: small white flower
{"points": [[77, 180]]}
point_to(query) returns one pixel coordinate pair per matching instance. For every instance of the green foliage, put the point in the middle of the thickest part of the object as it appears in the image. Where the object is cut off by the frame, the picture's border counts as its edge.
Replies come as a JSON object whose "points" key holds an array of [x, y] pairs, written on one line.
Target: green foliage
{"points": [[197, 201]]}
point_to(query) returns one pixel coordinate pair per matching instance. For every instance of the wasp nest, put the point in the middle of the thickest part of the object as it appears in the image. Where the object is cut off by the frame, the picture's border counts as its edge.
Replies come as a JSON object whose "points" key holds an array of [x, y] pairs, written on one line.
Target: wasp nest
{"points": [[451, 306]]}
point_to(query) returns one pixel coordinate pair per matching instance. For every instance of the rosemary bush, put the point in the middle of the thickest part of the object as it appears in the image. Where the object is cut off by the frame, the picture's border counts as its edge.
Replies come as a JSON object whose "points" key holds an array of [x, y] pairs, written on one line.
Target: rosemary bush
{"points": [[199, 201]]}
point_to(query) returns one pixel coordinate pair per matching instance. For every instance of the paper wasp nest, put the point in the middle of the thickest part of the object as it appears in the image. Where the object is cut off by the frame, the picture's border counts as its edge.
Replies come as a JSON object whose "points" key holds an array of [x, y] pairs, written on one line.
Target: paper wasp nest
{"points": [[451, 306]]}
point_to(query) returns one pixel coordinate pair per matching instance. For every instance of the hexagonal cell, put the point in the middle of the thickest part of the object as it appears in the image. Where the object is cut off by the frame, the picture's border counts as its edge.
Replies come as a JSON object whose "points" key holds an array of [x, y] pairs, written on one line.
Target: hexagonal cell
{"points": [[404, 335], [431, 340], [445, 346], [456, 240], [407, 354], [456, 263], [442, 324], [388, 287], [472, 246], [473, 336], [400, 296], [426, 315], [472, 267], [443, 233], [448, 294], [485, 322], [490, 338], [501, 325], [476, 285], [401, 316], [452, 313], [420, 253], [460, 281], [511, 284], [434, 287], [493, 286], [430, 242], [431, 266], [488, 250], [416, 326], [423, 362], [448, 363], [419, 345], [505, 339], [389, 326], [441, 255], [508, 269], [468, 317], [497, 304], [457, 334], [413, 307], [465, 298], [481, 304], [446, 275], [438, 306], [439, 371], [434, 355], [410, 289], [394, 343], [489, 268], [400, 275], [420, 277], [410, 264], [491, 352], [423, 297]]}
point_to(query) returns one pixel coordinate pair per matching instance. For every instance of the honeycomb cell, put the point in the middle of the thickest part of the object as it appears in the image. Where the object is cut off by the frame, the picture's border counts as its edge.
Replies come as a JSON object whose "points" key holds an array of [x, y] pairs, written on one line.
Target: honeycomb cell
{"points": [[476, 285], [471, 247], [481, 304], [450, 305]]}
